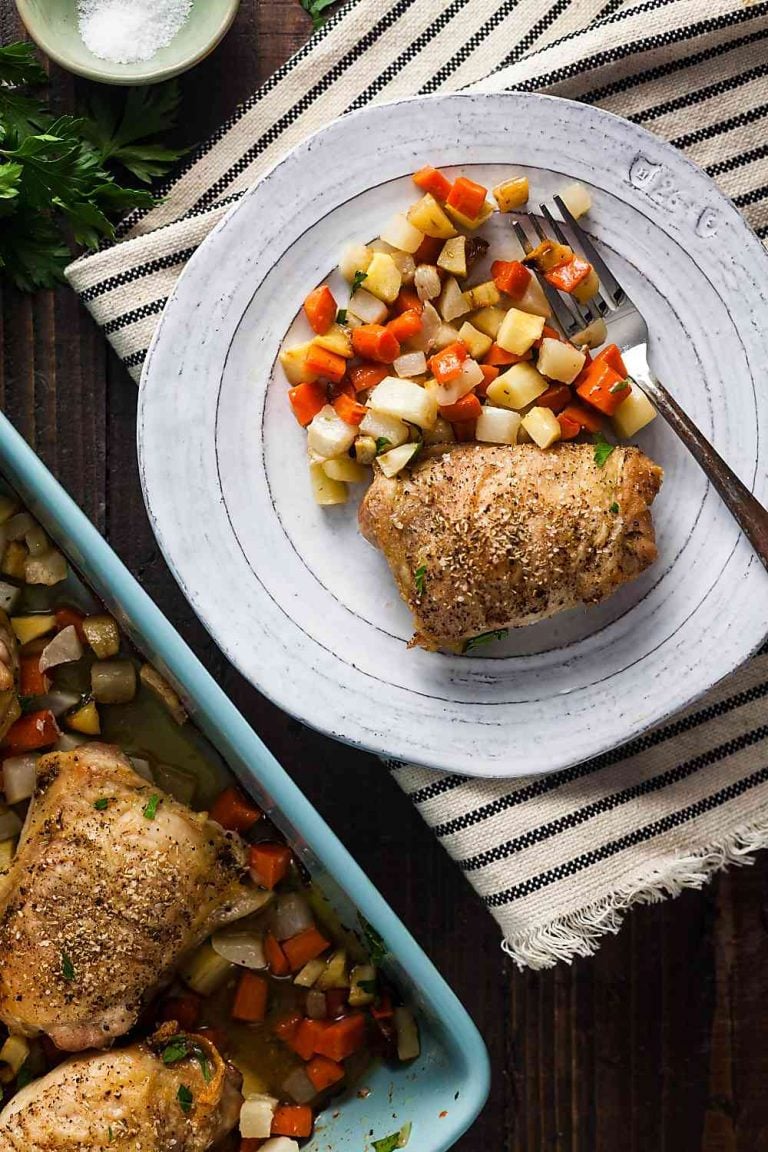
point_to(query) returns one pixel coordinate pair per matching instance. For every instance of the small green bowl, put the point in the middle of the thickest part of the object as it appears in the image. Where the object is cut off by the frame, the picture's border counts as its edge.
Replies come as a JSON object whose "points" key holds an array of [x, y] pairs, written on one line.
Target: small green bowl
{"points": [[52, 24]]}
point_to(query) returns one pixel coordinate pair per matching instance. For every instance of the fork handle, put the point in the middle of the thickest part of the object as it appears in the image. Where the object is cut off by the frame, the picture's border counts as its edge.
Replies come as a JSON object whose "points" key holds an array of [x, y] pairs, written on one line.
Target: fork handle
{"points": [[748, 512]]}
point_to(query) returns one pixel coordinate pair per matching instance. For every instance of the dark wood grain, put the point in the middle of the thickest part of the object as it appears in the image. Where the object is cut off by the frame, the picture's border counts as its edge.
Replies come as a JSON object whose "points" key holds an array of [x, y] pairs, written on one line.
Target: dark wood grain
{"points": [[659, 1043]]}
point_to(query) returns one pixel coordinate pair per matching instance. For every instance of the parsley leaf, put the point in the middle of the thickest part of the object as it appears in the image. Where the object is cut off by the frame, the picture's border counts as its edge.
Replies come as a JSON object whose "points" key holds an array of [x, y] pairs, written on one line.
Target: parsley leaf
{"points": [[341, 316], [419, 579], [619, 386], [176, 1049], [382, 444], [357, 281], [315, 9], [119, 130], [387, 1143], [484, 638], [614, 508], [603, 449], [377, 949], [19, 65], [151, 806], [184, 1097], [101, 804], [67, 967]]}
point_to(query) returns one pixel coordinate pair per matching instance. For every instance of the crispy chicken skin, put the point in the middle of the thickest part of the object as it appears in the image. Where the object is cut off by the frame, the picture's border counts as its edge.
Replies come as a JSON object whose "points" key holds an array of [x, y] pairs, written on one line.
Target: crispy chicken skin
{"points": [[503, 537], [125, 1100], [99, 904]]}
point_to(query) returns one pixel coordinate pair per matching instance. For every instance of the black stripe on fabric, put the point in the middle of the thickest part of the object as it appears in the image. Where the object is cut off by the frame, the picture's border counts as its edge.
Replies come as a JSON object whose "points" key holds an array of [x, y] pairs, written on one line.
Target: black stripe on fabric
{"points": [[135, 358], [762, 232], [142, 313], [615, 800], [721, 127], [738, 161], [696, 95], [131, 274], [630, 840], [543, 784], [606, 11], [748, 198]]}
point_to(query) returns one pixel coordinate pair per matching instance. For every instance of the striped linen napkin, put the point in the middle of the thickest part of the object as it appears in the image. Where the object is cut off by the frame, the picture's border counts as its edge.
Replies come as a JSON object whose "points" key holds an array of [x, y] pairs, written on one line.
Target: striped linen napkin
{"points": [[557, 859]]}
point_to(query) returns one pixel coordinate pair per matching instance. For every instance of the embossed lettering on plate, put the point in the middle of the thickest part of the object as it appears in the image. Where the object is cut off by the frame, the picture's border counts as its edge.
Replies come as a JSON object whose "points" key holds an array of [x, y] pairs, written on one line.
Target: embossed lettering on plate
{"points": [[658, 185]]}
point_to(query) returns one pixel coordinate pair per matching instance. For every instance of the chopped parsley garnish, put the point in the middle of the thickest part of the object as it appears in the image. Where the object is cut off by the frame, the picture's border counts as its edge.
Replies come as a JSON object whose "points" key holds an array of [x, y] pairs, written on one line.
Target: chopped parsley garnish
{"points": [[619, 386], [341, 316], [179, 1047], [377, 949], [382, 444], [395, 1140], [67, 967], [603, 449], [357, 281], [184, 1097], [315, 9], [101, 804], [110, 1133], [151, 806], [368, 986], [419, 579], [614, 508], [484, 638]]}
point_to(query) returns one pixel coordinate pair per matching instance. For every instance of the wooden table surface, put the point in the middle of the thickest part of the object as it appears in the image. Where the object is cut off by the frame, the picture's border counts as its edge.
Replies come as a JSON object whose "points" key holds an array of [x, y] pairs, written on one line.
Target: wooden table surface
{"points": [[660, 1042]]}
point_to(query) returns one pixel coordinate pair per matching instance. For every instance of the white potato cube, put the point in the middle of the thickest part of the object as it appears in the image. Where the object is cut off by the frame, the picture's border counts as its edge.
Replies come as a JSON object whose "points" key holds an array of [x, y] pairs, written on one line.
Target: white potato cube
{"points": [[633, 413], [576, 199], [293, 361], [410, 364], [593, 335], [485, 295], [326, 491], [256, 1115], [354, 258], [428, 216], [328, 435], [280, 1144], [533, 300], [381, 427], [519, 331], [489, 320], [559, 361], [396, 459], [497, 426], [383, 279], [405, 400], [400, 233], [470, 376], [518, 386], [470, 223], [511, 194], [477, 342], [452, 302], [345, 469], [336, 339], [367, 308], [542, 426]]}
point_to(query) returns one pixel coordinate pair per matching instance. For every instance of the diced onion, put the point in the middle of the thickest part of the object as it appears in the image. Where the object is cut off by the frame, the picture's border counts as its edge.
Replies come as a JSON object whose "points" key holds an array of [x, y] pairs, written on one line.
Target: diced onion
{"points": [[243, 948], [113, 681], [63, 649], [408, 1046], [406, 266], [410, 364], [427, 282], [430, 324], [299, 1087], [256, 1115], [19, 777], [10, 826], [317, 1005], [292, 915]]}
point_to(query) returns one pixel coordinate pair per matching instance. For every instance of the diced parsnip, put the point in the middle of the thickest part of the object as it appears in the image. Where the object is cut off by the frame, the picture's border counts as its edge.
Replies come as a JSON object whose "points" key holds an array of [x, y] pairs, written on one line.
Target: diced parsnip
{"points": [[471, 375], [205, 971], [518, 386], [477, 342], [559, 361], [400, 233], [383, 280], [336, 339], [484, 295], [497, 425], [410, 364], [326, 492], [593, 335], [489, 320], [452, 302], [28, 628], [519, 331], [14, 1053], [354, 258], [542, 426], [367, 307], [589, 286], [511, 194], [453, 257], [428, 216], [328, 435], [427, 282], [257, 1113], [365, 449], [294, 363], [576, 199], [310, 973], [467, 222], [408, 1046], [334, 974], [396, 459], [445, 335], [633, 414], [442, 433], [381, 427], [405, 400], [533, 300], [362, 978], [346, 470]]}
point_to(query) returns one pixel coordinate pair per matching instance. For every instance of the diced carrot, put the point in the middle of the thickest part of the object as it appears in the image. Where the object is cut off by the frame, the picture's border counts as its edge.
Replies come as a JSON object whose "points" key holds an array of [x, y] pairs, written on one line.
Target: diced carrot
{"points": [[464, 430], [307, 1037], [611, 356], [250, 1144], [185, 1010], [557, 397], [569, 428], [70, 616], [276, 957], [383, 1009], [234, 811], [375, 342], [466, 197], [341, 1038], [303, 947], [349, 410], [321, 309], [447, 364], [35, 730], [510, 276], [406, 325], [324, 1072], [32, 682], [336, 1001], [269, 863], [432, 180], [429, 250], [602, 387], [590, 421], [366, 376], [565, 277], [408, 300], [490, 372], [467, 408], [498, 357], [307, 400], [292, 1120], [251, 998], [548, 333], [286, 1027], [326, 364]]}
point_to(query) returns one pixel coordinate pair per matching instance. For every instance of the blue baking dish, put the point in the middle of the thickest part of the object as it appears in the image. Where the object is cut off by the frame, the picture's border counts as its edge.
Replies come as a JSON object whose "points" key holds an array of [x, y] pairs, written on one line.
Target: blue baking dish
{"points": [[443, 1091]]}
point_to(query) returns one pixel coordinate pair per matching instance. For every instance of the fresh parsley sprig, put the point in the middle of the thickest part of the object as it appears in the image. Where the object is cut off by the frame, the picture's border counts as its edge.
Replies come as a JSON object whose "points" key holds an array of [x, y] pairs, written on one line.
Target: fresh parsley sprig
{"points": [[316, 8], [484, 638], [603, 449]]}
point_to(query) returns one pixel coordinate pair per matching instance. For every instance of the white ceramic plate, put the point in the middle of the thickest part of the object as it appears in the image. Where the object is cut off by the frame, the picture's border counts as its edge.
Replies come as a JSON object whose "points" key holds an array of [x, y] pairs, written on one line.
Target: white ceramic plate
{"points": [[300, 603]]}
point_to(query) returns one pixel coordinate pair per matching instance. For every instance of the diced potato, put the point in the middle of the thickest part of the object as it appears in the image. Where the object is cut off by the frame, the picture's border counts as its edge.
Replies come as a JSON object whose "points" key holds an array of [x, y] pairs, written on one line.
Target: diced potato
{"points": [[452, 302], [326, 491], [410, 364], [442, 433], [28, 628], [349, 471], [427, 282], [367, 307], [559, 361], [542, 426], [405, 400], [593, 335], [453, 257], [518, 386], [49, 568], [383, 280], [408, 1046], [85, 719], [497, 425], [294, 363], [365, 449], [396, 459], [257, 1113], [511, 194], [354, 258], [533, 300], [576, 199], [362, 978], [428, 216], [484, 295], [633, 414], [164, 692], [400, 233], [335, 974], [14, 560], [310, 973], [467, 222], [519, 331], [589, 286], [489, 320], [103, 635], [205, 971], [445, 335], [471, 375], [336, 339], [477, 342], [328, 435], [381, 427]]}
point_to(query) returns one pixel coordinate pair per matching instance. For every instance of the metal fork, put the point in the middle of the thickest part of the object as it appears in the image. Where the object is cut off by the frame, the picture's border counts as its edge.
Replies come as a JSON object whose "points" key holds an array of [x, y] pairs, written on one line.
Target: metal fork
{"points": [[629, 330]]}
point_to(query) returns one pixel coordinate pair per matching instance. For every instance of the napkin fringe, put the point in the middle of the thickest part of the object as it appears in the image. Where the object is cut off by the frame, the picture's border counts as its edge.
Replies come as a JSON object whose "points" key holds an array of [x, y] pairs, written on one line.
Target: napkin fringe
{"points": [[580, 933]]}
